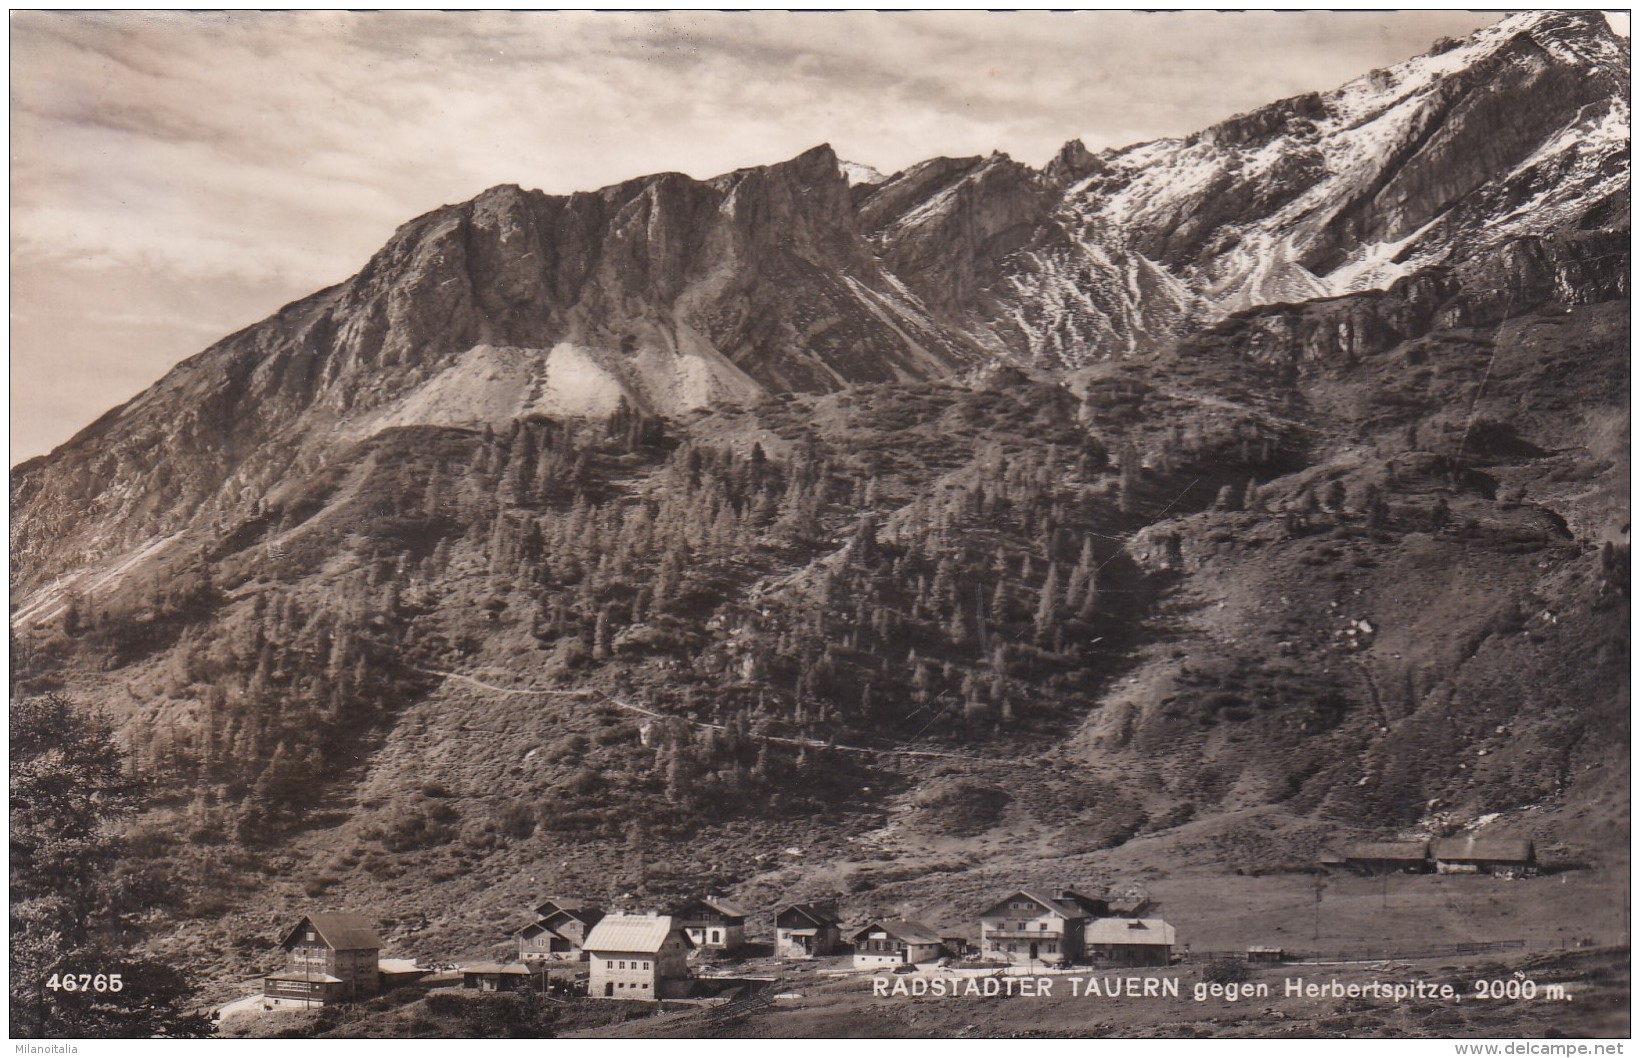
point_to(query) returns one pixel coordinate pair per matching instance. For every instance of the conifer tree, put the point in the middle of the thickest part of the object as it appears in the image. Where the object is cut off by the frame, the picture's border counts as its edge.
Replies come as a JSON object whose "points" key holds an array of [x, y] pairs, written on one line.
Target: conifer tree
{"points": [[1047, 603], [1440, 515]]}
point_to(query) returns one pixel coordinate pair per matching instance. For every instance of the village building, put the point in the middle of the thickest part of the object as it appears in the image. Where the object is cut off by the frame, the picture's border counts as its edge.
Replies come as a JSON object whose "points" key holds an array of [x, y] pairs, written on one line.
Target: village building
{"points": [[558, 932], [329, 957], [1130, 903], [1502, 857], [1382, 857], [712, 924], [538, 944], [1025, 927], [894, 942], [803, 931], [637, 957], [395, 973], [1129, 941], [559, 911], [503, 977]]}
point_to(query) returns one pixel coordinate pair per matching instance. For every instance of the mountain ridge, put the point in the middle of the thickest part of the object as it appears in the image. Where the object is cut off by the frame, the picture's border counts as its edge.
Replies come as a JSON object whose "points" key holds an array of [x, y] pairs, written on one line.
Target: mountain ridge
{"points": [[967, 260], [972, 465]]}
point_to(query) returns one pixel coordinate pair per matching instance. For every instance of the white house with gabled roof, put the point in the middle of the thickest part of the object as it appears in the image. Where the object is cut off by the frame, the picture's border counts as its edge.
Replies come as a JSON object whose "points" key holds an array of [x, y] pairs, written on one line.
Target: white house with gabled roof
{"points": [[637, 957]]}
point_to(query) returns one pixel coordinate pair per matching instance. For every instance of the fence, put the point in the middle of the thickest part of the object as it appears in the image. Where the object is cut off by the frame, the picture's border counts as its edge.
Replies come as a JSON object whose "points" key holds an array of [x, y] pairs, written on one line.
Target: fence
{"points": [[1439, 951], [751, 1000]]}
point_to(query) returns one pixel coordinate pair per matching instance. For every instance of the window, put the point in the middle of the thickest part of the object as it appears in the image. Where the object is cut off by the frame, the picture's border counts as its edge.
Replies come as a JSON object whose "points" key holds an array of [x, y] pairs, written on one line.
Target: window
{"points": [[1042, 926], [1053, 949]]}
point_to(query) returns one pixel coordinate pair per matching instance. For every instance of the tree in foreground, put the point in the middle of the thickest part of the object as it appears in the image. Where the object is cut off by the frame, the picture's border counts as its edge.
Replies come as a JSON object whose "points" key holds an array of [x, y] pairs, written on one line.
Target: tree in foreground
{"points": [[73, 974]]}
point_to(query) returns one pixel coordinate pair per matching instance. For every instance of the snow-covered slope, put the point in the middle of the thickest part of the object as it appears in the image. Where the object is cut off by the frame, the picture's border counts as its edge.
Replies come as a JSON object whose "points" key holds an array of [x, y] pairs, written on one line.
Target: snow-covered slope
{"points": [[1516, 131], [1327, 194], [857, 173]]}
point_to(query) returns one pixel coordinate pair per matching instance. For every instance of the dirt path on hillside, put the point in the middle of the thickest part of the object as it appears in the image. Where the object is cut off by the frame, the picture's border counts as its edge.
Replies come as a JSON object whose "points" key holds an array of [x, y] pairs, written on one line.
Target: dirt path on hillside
{"points": [[801, 743]]}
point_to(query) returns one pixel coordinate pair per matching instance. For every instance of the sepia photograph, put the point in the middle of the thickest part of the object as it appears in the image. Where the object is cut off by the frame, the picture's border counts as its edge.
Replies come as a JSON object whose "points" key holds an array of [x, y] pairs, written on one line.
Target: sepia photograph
{"points": [[923, 525]]}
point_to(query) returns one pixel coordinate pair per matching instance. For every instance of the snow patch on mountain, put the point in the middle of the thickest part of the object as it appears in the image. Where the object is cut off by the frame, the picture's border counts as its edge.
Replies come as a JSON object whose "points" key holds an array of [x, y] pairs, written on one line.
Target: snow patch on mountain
{"points": [[1087, 298], [1315, 156], [1375, 265], [856, 173]]}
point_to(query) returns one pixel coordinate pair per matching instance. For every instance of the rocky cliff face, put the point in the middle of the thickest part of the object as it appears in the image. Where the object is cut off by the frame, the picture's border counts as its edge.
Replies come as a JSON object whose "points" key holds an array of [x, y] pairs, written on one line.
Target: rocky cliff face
{"points": [[667, 293], [1515, 132]]}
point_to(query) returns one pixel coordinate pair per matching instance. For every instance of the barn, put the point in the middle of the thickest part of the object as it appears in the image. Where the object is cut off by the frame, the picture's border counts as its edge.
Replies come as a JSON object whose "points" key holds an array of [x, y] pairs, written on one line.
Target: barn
{"points": [[1129, 941], [1383, 857], [1501, 857]]}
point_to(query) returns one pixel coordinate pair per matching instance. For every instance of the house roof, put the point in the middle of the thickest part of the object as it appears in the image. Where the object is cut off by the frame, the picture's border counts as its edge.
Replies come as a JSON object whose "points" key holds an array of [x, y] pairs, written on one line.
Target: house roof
{"points": [[640, 933], [400, 966], [308, 977], [512, 969], [818, 915], [1470, 847], [1088, 904], [577, 909], [585, 916], [1128, 931], [722, 907], [339, 930], [531, 930], [1062, 908], [900, 929], [1387, 850]]}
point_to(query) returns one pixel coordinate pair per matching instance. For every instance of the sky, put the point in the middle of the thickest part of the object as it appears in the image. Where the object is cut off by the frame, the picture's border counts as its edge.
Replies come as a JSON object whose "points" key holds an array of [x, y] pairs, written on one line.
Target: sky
{"points": [[177, 176]]}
